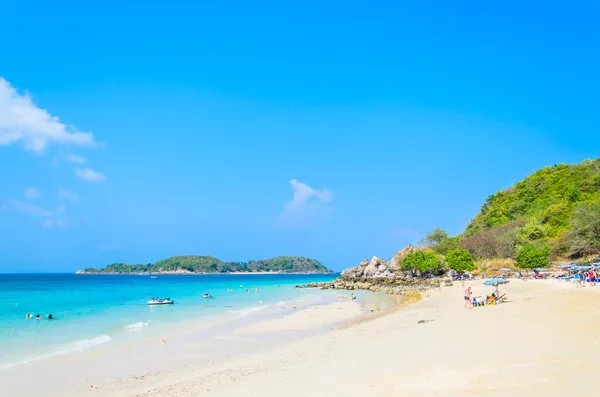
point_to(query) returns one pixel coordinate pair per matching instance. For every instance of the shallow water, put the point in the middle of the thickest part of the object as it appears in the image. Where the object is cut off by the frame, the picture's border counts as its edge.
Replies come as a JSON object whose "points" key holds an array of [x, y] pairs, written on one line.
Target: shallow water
{"points": [[91, 310]]}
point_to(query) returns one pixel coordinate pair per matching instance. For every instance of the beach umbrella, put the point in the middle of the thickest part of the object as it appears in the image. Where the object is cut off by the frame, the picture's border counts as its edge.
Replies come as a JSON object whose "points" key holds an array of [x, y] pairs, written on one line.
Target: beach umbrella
{"points": [[494, 282]]}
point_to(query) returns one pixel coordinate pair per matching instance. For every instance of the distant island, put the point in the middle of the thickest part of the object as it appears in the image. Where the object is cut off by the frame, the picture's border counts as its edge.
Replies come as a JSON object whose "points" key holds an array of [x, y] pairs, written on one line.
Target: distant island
{"points": [[194, 264]]}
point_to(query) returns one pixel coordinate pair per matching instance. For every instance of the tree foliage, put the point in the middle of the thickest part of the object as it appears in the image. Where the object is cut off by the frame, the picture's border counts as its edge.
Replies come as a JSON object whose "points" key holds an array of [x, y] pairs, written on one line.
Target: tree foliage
{"points": [[584, 236], [440, 242], [460, 260], [421, 261], [499, 242], [209, 264], [531, 256], [545, 203]]}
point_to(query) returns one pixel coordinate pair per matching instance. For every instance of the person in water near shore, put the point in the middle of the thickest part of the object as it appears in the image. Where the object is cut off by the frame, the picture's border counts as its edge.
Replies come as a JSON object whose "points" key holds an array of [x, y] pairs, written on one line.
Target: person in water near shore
{"points": [[256, 291], [353, 296], [50, 317], [468, 303], [38, 317]]}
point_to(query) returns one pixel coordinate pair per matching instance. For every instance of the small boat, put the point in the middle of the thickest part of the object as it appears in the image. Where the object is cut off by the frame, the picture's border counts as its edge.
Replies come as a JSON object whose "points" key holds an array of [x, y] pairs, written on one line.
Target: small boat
{"points": [[158, 301], [153, 277], [207, 296]]}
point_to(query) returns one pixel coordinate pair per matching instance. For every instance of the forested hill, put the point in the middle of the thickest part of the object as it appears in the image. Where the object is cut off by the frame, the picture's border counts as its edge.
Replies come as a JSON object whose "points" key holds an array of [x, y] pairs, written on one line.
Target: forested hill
{"points": [[209, 264], [557, 205]]}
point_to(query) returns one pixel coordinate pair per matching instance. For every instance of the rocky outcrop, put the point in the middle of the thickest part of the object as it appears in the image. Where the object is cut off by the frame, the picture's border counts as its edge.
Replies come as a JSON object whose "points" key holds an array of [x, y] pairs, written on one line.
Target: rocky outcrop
{"points": [[377, 275], [386, 285], [376, 268]]}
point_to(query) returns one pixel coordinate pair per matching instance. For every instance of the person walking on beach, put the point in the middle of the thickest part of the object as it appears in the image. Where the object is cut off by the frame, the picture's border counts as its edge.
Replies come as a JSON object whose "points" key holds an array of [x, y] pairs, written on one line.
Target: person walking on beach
{"points": [[592, 276], [468, 302]]}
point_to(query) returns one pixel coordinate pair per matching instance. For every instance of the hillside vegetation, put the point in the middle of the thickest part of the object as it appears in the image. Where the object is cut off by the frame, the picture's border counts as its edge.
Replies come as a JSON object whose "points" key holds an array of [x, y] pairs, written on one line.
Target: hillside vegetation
{"points": [[209, 264], [553, 213]]}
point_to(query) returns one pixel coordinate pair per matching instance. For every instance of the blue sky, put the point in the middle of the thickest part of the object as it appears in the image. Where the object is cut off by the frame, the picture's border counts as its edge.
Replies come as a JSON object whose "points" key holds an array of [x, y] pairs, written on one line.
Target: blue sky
{"points": [[133, 131]]}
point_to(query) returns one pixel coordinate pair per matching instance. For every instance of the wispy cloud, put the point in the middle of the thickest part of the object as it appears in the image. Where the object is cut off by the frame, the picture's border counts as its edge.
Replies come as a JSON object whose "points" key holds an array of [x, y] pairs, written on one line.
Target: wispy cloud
{"points": [[21, 121], [31, 209], [53, 223], [75, 158], [68, 195], [307, 207], [89, 175], [32, 193], [54, 218]]}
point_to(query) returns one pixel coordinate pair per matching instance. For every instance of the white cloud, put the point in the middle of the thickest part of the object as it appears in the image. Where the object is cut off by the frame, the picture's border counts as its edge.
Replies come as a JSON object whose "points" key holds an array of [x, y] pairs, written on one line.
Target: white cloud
{"points": [[22, 121], [75, 158], [68, 195], [32, 193], [30, 209], [89, 175], [307, 207], [53, 223]]}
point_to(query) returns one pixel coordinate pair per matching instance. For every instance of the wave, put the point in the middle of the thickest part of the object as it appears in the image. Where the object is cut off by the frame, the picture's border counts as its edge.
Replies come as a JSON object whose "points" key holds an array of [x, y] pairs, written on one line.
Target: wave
{"points": [[139, 325], [280, 303], [71, 347], [254, 309]]}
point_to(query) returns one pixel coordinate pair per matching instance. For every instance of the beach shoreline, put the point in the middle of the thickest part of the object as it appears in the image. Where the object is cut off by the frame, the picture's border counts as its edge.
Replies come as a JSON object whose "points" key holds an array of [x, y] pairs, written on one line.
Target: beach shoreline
{"points": [[431, 347]]}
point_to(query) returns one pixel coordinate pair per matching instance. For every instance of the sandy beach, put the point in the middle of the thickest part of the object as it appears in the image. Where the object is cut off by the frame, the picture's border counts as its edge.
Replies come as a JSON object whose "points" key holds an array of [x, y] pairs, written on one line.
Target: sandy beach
{"points": [[543, 341]]}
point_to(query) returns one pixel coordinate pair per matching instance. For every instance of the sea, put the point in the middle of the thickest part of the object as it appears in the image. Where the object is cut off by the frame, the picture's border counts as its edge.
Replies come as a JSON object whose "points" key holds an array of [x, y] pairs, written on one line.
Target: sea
{"points": [[93, 310]]}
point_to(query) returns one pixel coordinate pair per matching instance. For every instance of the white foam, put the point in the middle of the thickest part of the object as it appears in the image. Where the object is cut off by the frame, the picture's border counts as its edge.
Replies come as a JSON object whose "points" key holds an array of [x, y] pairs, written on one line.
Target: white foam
{"points": [[139, 325], [280, 303], [250, 310], [72, 347]]}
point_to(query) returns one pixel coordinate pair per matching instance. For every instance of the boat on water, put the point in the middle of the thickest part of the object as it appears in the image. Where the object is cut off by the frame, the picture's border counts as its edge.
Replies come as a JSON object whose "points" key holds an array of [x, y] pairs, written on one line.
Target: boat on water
{"points": [[153, 277], [207, 296], [159, 301]]}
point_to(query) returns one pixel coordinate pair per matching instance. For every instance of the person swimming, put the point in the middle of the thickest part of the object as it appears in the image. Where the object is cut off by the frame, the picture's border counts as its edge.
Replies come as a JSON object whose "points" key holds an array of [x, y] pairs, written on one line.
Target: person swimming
{"points": [[29, 315], [50, 317], [38, 317]]}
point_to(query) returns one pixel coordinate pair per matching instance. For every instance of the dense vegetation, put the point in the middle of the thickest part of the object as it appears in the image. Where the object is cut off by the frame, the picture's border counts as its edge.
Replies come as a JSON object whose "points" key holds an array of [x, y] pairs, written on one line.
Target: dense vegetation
{"points": [[421, 262], [209, 264], [557, 205], [460, 261], [553, 213]]}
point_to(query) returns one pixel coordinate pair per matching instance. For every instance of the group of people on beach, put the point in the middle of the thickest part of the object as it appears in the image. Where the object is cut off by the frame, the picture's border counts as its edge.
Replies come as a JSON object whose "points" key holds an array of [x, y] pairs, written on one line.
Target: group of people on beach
{"points": [[582, 276], [38, 317]]}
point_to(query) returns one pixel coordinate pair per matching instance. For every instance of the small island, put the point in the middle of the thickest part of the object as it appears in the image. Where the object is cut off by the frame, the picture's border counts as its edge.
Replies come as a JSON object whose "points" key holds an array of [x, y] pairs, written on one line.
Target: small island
{"points": [[195, 264]]}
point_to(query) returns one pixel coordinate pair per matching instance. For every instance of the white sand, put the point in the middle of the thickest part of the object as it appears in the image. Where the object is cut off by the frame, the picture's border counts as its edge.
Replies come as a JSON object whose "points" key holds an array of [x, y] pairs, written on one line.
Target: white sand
{"points": [[544, 341]]}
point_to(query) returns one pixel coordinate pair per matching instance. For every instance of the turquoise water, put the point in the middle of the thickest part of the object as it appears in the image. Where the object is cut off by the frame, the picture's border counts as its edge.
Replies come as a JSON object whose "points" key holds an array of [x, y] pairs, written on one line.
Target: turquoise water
{"points": [[90, 310]]}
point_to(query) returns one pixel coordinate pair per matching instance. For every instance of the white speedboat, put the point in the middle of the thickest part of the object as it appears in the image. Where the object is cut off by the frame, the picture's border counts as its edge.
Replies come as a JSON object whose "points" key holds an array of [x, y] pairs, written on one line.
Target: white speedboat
{"points": [[158, 301], [207, 296]]}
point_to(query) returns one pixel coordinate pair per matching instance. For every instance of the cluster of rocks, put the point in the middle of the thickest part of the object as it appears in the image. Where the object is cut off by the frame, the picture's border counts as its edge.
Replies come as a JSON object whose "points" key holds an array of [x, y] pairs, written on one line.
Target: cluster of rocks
{"points": [[379, 275]]}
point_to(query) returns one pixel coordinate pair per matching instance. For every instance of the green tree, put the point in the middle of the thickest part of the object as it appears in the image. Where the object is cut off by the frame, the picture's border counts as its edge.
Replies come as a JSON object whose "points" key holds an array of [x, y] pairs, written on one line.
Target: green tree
{"points": [[423, 262], [460, 260], [440, 242], [436, 237], [531, 256]]}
